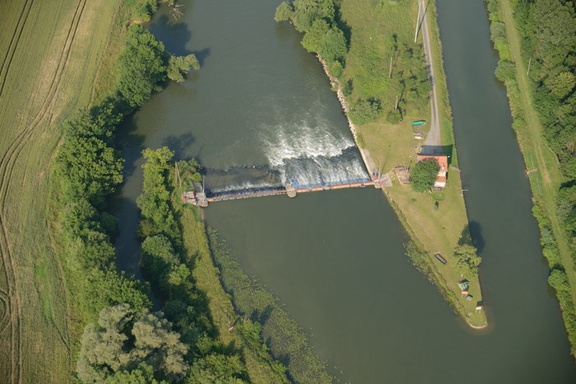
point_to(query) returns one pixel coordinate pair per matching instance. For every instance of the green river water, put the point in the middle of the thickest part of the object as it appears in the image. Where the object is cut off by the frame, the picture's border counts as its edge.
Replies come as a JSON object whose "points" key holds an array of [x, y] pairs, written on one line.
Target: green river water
{"points": [[261, 106]]}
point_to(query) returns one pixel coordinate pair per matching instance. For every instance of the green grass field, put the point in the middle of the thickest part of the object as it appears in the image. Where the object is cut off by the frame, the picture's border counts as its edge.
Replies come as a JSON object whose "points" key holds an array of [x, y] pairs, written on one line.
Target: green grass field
{"points": [[391, 145], [50, 53]]}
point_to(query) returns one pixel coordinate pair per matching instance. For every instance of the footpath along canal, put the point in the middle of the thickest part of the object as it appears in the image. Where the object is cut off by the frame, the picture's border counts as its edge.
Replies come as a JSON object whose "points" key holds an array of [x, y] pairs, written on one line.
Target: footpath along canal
{"points": [[335, 259]]}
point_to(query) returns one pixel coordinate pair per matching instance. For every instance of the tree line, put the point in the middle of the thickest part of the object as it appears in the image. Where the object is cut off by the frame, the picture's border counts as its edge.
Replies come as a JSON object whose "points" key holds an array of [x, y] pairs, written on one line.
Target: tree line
{"points": [[548, 31], [179, 344], [88, 170]]}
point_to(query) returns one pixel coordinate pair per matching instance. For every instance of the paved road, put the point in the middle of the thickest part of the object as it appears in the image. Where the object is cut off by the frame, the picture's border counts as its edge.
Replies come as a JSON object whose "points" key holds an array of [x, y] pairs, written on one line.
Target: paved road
{"points": [[434, 138]]}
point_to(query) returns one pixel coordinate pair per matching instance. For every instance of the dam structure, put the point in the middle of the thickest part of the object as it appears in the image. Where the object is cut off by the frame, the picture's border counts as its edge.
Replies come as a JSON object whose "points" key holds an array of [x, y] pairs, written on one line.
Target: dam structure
{"points": [[201, 197]]}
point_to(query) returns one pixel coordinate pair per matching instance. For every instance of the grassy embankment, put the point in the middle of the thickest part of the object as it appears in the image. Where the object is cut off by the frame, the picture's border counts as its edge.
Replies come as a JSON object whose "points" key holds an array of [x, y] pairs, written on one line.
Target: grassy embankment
{"points": [[545, 175], [220, 304], [50, 54], [391, 145]]}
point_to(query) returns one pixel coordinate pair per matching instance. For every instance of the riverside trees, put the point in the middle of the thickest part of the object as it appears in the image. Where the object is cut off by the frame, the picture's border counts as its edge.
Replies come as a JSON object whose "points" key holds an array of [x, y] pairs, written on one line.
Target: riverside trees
{"points": [[89, 169], [127, 344]]}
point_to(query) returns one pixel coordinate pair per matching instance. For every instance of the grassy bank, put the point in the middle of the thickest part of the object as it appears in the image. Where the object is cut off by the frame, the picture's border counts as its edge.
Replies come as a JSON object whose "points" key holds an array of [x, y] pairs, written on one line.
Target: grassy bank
{"points": [[437, 222], [545, 174], [260, 367]]}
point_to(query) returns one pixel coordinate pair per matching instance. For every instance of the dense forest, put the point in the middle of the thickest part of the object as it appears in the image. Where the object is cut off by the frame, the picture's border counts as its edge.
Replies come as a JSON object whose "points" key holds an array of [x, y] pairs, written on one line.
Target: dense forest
{"points": [[548, 31]]}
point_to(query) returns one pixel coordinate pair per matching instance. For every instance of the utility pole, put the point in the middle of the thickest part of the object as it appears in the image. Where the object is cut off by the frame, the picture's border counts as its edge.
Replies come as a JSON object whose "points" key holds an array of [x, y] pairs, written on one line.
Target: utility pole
{"points": [[417, 23]]}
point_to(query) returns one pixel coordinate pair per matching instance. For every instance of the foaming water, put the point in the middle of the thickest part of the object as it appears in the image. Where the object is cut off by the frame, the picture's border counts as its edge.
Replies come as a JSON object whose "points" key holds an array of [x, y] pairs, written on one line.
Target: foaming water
{"points": [[308, 153], [304, 151]]}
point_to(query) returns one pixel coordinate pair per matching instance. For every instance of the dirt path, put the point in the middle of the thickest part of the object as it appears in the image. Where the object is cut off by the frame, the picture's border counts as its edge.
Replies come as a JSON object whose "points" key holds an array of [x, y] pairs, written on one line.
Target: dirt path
{"points": [[434, 137]]}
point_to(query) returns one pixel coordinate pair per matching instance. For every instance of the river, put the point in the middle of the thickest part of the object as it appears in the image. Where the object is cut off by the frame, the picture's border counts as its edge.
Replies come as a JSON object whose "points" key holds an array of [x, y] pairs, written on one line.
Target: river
{"points": [[261, 106]]}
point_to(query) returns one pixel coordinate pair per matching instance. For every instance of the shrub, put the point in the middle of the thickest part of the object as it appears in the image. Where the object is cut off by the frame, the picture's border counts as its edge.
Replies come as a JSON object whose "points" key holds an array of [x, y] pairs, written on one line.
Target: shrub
{"points": [[424, 174]]}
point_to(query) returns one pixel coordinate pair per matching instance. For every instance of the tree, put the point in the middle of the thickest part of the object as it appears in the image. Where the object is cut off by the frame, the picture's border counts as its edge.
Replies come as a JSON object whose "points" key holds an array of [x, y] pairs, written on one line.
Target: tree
{"points": [[179, 66], [154, 202], [365, 111], [143, 374], [307, 11], [141, 66], [218, 369], [329, 42], [394, 116], [124, 341], [87, 160], [562, 84], [467, 260], [424, 174], [283, 12]]}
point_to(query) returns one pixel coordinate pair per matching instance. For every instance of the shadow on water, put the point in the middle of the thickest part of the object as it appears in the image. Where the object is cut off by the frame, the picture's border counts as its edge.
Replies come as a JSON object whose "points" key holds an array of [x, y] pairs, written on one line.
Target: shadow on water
{"points": [[128, 246], [179, 144], [131, 144], [262, 316], [472, 234], [175, 36], [202, 55]]}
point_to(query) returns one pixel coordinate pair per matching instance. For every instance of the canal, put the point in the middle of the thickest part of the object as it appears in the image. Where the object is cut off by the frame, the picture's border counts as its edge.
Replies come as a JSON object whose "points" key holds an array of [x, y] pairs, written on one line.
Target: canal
{"points": [[335, 259]]}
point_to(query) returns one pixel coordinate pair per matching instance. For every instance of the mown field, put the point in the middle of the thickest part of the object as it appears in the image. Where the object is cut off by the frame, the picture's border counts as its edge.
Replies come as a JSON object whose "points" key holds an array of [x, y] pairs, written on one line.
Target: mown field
{"points": [[50, 53], [435, 230]]}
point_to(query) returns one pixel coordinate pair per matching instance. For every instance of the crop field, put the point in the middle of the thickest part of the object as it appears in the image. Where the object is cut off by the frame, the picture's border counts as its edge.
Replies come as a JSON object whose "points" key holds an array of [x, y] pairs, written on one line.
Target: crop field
{"points": [[49, 56]]}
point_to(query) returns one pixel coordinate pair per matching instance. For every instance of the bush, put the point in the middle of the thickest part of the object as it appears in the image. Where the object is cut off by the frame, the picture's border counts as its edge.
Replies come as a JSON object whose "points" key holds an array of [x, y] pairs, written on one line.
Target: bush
{"points": [[141, 67], [424, 174], [394, 116], [124, 340], [365, 111]]}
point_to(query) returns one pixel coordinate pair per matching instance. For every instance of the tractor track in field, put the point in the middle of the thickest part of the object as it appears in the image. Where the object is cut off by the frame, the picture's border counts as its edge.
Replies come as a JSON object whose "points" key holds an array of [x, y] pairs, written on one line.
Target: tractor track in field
{"points": [[14, 40], [7, 165]]}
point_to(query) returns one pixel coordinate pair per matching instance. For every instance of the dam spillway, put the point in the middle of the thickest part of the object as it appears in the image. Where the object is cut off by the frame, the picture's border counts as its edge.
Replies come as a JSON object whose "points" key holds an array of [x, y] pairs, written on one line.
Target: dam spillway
{"points": [[202, 199]]}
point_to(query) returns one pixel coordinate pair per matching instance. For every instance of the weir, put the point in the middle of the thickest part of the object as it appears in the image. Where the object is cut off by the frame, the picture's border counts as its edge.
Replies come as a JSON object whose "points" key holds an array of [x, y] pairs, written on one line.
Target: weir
{"points": [[200, 198]]}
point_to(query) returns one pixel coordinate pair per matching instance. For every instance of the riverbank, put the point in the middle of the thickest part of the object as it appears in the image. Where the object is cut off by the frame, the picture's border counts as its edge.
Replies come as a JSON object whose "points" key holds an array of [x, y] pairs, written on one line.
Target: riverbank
{"points": [[542, 165], [434, 228]]}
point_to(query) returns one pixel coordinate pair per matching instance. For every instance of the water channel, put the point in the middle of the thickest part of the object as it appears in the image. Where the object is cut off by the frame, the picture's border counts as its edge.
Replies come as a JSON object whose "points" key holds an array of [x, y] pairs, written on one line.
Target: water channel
{"points": [[335, 259]]}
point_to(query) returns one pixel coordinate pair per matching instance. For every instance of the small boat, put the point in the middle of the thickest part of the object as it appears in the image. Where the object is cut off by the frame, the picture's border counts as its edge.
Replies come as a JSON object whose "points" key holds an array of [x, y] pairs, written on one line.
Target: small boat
{"points": [[440, 258]]}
